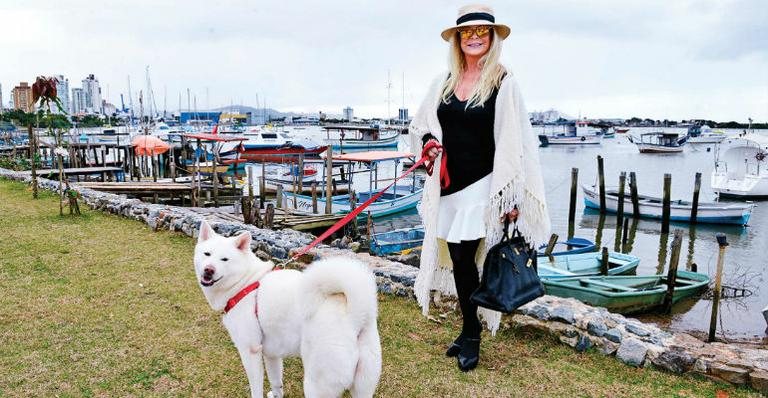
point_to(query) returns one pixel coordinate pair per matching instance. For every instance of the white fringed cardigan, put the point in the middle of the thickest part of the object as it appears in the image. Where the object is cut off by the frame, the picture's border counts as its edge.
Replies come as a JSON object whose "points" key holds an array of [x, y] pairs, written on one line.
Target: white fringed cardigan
{"points": [[516, 180]]}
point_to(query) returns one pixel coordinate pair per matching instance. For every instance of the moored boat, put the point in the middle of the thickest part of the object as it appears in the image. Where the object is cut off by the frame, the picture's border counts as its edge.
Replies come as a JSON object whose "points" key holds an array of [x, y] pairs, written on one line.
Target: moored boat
{"points": [[626, 294], [361, 137], [741, 167], [395, 199], [384, 243], [659, 142], [571, 246], [584, 264], [680, 210], [576, 133]]}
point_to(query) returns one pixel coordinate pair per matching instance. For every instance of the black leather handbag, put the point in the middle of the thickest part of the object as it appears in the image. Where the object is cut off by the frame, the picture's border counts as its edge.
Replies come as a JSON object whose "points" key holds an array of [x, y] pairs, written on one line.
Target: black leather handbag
{"points": [[510, 277]]}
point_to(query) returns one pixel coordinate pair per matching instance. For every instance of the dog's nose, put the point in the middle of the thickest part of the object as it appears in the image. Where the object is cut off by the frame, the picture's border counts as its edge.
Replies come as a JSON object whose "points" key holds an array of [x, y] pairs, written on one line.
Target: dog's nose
{"points": [[208, 272]]}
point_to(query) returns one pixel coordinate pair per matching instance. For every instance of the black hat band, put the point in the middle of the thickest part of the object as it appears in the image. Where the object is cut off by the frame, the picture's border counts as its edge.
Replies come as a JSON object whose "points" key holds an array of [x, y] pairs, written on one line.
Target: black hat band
{"points": [[475, 16]]}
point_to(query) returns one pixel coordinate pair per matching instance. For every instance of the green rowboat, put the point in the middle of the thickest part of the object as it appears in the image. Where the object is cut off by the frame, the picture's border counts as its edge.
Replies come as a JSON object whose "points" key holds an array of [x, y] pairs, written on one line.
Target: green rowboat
{"points": [[585, 264], [626, 294]]}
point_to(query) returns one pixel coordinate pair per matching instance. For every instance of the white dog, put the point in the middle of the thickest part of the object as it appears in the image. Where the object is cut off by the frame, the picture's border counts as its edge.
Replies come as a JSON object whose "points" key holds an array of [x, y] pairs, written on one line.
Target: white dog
{"points": [[326, 314]]}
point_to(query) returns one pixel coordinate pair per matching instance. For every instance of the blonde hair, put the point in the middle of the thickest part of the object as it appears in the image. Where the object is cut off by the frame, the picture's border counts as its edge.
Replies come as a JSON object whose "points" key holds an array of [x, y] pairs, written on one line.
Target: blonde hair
{"points": [[491, 71]]}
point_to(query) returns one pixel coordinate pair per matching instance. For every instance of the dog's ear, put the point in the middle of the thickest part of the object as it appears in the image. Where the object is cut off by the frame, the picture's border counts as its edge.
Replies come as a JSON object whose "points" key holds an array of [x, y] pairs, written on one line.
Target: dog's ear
{"points": [[205, 231], [243, 241]]}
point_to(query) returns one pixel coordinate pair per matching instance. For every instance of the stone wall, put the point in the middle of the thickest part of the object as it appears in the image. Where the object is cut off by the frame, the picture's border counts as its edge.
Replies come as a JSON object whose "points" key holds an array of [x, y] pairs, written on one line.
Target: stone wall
{"points": [[579, 325]]}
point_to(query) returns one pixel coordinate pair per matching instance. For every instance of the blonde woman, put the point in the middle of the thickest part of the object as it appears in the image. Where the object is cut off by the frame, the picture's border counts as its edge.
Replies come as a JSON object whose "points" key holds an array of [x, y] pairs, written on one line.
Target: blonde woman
{"points": [[475, 112]]}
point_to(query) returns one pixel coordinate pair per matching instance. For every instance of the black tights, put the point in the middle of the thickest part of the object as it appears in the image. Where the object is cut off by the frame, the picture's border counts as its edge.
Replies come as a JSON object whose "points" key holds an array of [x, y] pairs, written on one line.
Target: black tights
{"points": [[467, 280]]}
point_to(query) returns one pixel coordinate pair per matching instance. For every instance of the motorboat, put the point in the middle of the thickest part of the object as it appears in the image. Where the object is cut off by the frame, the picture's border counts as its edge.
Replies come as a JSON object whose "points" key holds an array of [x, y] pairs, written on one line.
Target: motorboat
{"points": [[741, 167], [659, 142]]}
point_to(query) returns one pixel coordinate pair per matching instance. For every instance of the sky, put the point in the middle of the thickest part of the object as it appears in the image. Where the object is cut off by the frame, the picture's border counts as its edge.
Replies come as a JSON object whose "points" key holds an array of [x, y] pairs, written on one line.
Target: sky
{"points": [[656, 59]]}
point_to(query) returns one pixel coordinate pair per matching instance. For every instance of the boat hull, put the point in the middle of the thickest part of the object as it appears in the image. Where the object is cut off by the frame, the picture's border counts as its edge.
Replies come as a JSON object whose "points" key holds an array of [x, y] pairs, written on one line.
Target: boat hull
{"points": [[388, 142], [709, 213], [747, 187], [278, 155], [547, 140], [650, 148], [568, 266], [627, 294], [394, 241], [390, 203]]}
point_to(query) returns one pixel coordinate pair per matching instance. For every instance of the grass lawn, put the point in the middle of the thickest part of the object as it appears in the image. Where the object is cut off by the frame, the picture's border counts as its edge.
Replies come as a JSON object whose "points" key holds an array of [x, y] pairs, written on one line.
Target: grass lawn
{"points": [[99, 305]]}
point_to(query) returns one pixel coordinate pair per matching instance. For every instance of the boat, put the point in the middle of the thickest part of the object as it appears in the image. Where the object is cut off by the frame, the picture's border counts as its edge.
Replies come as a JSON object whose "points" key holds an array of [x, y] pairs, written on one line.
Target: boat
{"points": [[288, 178], [361, 137], [741, 167], [585, 264], [765, 315], [384, 243], [578, 133], [659, 142], [618, 130], [704, 135], [680, 210], [272, 146], [626, 294], [396, 199], [572, 246]]}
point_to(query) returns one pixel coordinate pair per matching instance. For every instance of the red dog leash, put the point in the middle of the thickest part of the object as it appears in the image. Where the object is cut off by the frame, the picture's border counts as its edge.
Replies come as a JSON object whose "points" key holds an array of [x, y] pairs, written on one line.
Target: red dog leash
{"points": [[424, 158]]}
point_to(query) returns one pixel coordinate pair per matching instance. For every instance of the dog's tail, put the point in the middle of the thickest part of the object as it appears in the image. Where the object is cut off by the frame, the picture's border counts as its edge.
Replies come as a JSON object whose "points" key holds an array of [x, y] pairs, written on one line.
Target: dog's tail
{"points": [[342, 275]]}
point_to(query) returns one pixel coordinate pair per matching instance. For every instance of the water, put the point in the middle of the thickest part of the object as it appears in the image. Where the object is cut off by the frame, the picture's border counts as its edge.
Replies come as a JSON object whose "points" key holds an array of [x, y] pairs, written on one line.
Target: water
{"points": [[746, 263]]}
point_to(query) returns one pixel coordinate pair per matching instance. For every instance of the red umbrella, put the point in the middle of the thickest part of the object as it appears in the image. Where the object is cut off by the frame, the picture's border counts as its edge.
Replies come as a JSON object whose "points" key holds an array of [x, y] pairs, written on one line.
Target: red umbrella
{"points": [[149, 145]]}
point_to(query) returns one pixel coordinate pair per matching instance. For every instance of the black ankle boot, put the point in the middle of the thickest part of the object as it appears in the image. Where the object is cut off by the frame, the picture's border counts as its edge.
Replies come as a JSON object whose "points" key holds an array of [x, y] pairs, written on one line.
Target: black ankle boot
{"points": [[469, 354], [455, 347]]}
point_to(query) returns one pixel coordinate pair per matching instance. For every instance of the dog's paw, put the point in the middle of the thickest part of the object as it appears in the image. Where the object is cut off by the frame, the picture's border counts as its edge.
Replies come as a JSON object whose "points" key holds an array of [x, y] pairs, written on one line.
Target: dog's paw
{"points": [[275, 393]]}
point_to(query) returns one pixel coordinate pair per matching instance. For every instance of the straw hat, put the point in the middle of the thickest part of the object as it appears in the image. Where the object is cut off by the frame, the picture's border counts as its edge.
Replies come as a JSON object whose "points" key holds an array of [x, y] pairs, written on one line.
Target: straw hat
{"points": [[476, 15]]}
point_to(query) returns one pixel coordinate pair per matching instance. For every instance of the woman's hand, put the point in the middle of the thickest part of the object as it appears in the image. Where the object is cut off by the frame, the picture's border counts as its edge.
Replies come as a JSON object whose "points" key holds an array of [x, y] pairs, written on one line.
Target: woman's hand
{"points": [[512, 215], [433, 152]]}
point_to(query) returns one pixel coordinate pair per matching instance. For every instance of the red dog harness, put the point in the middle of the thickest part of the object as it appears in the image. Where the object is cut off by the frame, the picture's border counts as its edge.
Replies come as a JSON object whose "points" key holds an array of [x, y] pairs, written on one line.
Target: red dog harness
{"points": [[231, 303]]}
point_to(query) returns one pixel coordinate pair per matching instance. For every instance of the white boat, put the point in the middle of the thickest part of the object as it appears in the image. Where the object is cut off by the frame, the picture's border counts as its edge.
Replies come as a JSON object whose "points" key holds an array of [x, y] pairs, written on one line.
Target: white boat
{"points": [[361, 137], [765, 315], [395, 199], [741, 167], [659, 142], [704, 135], [579, 133], [680, 210]]}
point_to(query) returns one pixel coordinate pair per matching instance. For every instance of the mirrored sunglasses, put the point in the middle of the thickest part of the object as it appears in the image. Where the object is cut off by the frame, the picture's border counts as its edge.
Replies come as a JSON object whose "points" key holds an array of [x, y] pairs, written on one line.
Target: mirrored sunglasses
{"points": [[479, 30]]}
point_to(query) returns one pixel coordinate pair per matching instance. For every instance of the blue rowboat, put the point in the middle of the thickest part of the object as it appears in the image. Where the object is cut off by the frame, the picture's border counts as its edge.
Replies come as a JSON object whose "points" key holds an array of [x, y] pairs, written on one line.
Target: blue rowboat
{"points": [[585, 264], [577, 246], [394, 241]]}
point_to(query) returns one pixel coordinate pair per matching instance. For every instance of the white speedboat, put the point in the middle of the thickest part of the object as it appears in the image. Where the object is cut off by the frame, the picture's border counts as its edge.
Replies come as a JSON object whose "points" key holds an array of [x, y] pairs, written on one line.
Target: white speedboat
{"points": [[705, 135], [578, 133], [741, 167]]}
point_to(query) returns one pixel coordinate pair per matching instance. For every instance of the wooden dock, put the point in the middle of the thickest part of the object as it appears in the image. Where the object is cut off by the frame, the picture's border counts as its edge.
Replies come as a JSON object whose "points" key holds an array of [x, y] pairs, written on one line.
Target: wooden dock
{"points": [[284, 218], [140, 187], [113, 172]]}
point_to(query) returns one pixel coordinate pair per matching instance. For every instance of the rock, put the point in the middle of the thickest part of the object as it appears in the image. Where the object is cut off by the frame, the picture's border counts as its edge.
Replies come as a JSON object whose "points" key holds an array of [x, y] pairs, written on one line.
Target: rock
{"points": [[613, 335], [596, 328], [675, 360], [562, 314], [637, 329], [759, 381], [608, 347], [540, 312], [730, 374], [632, 352], [583, 343], [701, 366], [571, 341], [354, 246], [262, 255]]}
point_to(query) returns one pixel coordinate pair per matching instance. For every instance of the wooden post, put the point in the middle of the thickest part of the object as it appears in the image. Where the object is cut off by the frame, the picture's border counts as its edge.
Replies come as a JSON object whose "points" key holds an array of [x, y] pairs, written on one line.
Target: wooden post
{"points": [[601, 182], [722, 243], [620, 209], [633, 193], [572, 205], [279, 194], [328, 179], [353, 206], [369, 227], [604, 262], [550, 247], [262, 186], [269, 217], [155, 166], [172, 161], [674, 260], [625, 230], [215, 178], [314, 198], [696, 189], [665, 211], [301, 173], [32, 158]]}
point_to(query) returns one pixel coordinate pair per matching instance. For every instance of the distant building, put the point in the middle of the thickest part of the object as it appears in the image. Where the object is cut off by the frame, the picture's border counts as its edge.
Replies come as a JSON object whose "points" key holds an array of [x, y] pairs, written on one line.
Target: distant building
{"points": [[550, 116], [108, 109], [1, 99], [402, 114], [62, 91], [92, 92], [349, 114], [212, 117], [77, 102], [22, 97]]}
